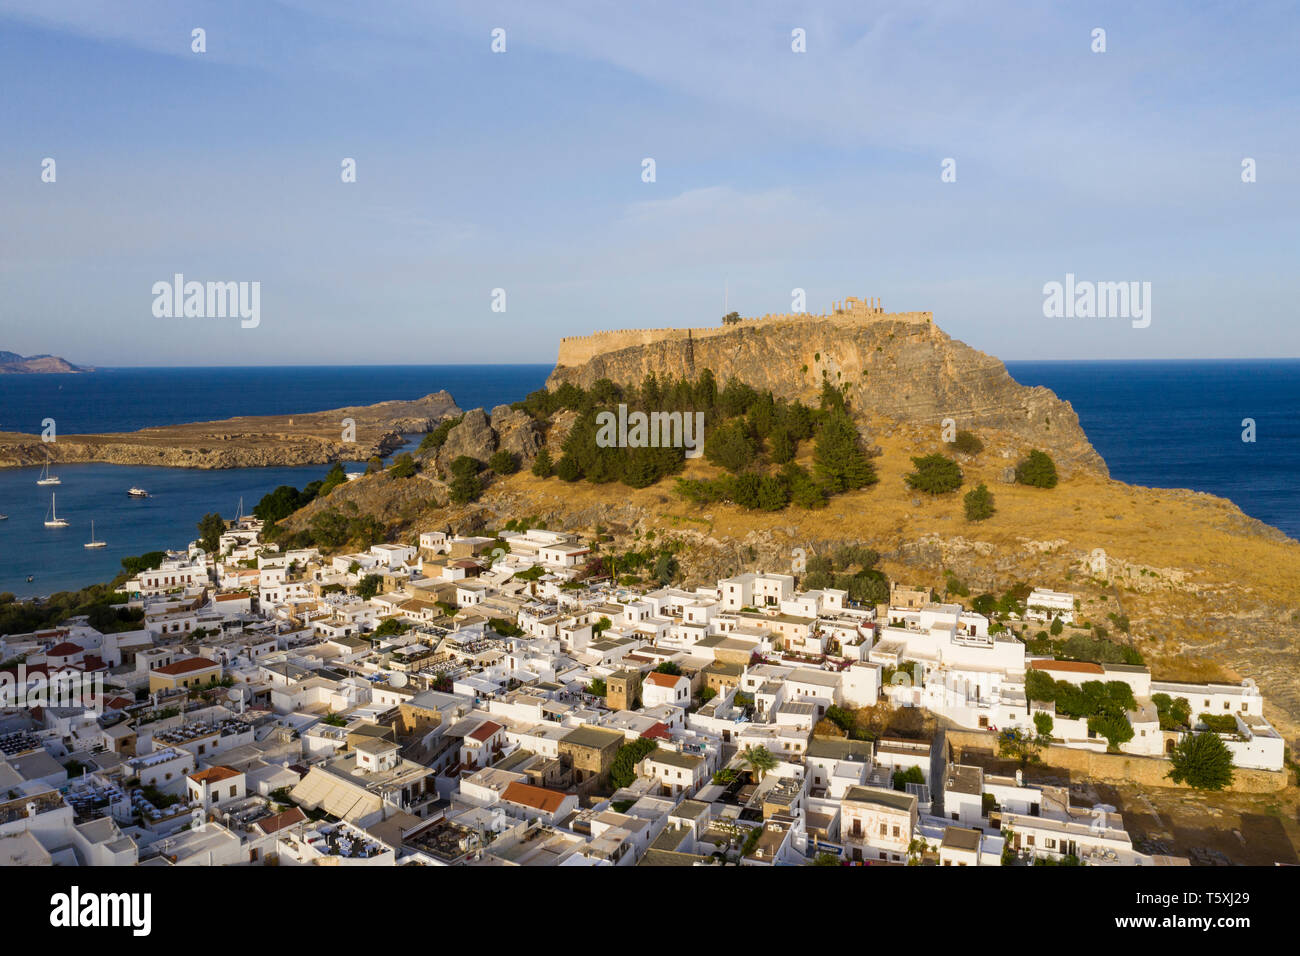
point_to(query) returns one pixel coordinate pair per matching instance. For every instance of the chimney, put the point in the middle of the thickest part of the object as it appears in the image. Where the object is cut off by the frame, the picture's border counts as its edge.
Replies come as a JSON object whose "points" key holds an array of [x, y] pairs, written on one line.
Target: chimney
{"points": [[1020, 778]]}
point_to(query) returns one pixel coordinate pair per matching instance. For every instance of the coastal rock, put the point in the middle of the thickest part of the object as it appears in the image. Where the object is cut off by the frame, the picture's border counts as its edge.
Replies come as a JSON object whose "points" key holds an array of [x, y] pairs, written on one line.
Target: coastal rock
{"points": [[473, 437], [516, 432]]}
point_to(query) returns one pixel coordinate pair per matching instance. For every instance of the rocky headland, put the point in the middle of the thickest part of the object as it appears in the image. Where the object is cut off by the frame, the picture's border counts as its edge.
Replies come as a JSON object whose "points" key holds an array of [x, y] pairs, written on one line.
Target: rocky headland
{"points": [[244, 442]]}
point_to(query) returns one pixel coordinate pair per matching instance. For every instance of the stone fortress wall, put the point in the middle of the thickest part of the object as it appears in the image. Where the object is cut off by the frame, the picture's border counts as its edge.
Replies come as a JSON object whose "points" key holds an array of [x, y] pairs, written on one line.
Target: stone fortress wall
{"points": [[579, 349]]}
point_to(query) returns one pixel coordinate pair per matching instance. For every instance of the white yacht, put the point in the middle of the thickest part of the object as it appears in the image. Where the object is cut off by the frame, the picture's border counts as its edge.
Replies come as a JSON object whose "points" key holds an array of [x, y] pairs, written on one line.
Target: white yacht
{"points": [[137, 493], [92, 543], [52, 519], [46, 478]]}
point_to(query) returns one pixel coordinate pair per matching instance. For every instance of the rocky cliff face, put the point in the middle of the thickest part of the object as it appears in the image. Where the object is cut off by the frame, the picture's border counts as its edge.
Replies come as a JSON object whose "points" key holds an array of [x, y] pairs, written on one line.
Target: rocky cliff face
{"points": [[909, 372], [479, 435]]}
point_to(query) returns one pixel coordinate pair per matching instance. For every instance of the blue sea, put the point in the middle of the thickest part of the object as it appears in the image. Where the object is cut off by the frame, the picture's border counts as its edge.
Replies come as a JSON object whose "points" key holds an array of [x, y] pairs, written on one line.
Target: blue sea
{"points": [[125, 399], [1161, 424], [1179, 424]]}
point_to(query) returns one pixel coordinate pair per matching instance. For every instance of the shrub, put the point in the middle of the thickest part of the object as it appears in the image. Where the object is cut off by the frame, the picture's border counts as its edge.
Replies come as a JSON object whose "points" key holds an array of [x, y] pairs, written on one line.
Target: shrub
{"points": [[967, 443], [1037, 470], [403, 467], [436, 438], [935, 475], [1173, 714], [464, 489], [978, 503]]}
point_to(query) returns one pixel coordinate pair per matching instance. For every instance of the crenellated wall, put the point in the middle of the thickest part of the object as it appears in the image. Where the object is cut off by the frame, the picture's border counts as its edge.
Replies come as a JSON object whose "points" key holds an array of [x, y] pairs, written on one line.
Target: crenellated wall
{"points": [[580, 349]]}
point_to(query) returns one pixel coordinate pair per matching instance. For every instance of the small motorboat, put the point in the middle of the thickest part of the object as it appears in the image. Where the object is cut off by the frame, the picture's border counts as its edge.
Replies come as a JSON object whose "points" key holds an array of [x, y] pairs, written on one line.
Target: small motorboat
{"points": [[92, 543], [46, 478], [52, 519], [137, 493]]}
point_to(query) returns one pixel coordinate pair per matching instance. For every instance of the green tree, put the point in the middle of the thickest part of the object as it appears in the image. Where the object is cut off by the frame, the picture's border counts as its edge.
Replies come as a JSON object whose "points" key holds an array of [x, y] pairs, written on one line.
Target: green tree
{"points": [[211, 528], [1057, 627], [1114, 727], [935, 475], [568, 468], [622, 770], [1202, 761], [731, 446], [781, 447], [666, 568], [543, 466], [369, 586], [132, 566], [759, 760], [978, 503], [503, 462], [279, 504], [838, 459], [329, 528], [1037, 470], [333, 478], [911, 775], [403, 467]]}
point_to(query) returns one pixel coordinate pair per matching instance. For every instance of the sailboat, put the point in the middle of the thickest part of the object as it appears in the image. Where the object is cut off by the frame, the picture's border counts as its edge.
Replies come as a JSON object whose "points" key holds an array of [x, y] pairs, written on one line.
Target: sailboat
{"points": [[53, 520], [92, 543], [46, 478]]}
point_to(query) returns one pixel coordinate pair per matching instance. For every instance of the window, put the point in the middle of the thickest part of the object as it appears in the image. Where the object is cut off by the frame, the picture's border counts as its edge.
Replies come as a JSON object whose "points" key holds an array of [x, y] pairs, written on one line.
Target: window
{"points": [[884, 830]]}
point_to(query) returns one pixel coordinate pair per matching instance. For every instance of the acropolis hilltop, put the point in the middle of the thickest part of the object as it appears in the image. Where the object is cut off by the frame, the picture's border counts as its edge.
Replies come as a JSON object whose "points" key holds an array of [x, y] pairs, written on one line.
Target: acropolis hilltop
{"points": [[578, 349]]}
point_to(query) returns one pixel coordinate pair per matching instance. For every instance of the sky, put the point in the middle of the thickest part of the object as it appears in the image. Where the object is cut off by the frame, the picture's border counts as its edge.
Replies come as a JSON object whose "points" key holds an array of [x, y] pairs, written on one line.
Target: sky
{"points": [[522, 171]]}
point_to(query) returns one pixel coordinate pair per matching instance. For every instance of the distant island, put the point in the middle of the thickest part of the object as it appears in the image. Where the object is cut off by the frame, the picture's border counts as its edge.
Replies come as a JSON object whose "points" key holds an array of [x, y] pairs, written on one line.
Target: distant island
{"points": [[11, 363]]}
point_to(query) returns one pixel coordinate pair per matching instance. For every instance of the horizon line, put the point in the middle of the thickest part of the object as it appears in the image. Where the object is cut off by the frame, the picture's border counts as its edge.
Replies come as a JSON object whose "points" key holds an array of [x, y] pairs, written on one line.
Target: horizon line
{"points": [[101, 368]]}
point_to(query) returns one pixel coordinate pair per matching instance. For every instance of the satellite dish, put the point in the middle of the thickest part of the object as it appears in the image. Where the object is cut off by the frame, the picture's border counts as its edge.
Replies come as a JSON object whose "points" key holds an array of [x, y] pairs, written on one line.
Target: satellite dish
{"points": [[398, 680], [237, 694]]}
